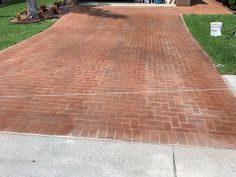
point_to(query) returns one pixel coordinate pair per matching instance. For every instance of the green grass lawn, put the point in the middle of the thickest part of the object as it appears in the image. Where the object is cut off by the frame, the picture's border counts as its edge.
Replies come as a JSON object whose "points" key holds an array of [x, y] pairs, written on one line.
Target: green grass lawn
{"points": [[222, 50], [11, 34]]}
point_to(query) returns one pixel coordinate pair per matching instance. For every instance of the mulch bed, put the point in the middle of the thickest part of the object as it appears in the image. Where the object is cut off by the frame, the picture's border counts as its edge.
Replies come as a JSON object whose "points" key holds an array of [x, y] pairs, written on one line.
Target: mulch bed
{"points": [[51, 12]]}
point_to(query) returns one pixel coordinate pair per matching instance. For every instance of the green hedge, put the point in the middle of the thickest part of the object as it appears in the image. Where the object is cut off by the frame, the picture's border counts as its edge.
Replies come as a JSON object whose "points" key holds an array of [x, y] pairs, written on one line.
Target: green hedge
{"points": [[231, 3]]}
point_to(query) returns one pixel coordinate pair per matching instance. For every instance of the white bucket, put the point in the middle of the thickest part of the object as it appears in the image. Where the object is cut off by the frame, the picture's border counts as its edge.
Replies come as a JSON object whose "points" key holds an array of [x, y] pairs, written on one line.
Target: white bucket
{"points": [[146, 1], [216, 28]]}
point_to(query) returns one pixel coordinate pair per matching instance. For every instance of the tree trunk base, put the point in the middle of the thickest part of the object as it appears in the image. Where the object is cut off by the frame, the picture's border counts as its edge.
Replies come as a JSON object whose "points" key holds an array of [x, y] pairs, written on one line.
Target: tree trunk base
{"points": [[32, 8], [71, 2]]}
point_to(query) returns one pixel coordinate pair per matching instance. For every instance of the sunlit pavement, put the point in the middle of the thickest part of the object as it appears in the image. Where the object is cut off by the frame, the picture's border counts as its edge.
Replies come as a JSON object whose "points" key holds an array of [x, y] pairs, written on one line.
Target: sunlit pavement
{"points": [[121, 73], [44, 156]]}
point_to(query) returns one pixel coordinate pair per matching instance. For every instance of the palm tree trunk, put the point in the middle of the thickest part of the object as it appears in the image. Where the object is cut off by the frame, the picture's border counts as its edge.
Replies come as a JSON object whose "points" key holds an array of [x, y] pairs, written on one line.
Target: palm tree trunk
{"points": [[31, 7], [71, 2]]}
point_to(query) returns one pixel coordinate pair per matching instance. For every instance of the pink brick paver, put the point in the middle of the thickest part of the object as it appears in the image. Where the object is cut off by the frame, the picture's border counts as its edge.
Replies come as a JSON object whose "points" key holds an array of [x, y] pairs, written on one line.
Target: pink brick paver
{"points": [[117, 73]]}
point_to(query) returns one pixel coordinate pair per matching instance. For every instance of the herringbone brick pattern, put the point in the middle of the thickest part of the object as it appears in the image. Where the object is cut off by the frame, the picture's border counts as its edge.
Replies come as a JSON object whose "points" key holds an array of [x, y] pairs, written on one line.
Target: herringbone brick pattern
{"points": [[117, 73]]}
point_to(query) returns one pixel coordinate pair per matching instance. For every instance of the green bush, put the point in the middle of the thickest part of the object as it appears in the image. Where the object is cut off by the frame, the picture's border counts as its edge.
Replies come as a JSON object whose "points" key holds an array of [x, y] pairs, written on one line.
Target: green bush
{"points": [[231, 3]]}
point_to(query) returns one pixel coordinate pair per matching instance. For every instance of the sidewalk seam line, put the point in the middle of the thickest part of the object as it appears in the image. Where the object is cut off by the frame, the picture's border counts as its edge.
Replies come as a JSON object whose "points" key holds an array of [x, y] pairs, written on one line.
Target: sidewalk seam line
{"points": [[113, 93], [174, 163]]}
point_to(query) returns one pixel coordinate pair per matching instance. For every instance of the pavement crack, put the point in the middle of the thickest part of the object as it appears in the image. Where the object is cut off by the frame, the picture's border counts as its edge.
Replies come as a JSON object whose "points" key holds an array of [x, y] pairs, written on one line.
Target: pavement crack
{"points": [[174, 164]]}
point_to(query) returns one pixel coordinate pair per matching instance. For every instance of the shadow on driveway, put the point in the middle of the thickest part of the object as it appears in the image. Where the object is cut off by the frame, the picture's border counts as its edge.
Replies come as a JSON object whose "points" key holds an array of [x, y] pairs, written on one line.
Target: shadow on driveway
{"points": [[196, 2], [98, 12]]}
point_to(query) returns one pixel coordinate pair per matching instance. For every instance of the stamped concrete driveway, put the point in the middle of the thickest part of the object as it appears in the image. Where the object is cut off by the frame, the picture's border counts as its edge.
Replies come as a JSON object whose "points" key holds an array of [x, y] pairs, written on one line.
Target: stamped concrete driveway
{"points": [[127, 73]]}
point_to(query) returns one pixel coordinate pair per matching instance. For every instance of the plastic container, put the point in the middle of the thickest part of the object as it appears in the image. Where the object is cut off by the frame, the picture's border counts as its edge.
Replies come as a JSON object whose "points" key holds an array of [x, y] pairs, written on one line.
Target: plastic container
{"points": [[146, 1], [157, 1], [216, 28]]}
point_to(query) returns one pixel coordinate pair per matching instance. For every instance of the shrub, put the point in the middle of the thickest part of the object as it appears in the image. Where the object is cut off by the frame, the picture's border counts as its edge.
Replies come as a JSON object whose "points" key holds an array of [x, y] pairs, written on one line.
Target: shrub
{"points": [[54, 10], [26, 12], [58, 3], [43, 7], [232, 3], [18, 17], [40, 14]]}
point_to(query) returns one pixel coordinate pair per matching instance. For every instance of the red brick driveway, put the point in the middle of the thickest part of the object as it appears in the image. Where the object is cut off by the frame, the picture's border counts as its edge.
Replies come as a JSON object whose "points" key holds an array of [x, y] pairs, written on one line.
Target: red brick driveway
{"points": [[117, 73]]}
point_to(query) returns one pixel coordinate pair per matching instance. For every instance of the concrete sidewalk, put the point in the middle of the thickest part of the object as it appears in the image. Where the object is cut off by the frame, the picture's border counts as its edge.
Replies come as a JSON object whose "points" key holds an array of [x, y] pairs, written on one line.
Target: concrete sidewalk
{"points": [[39, 156]]}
